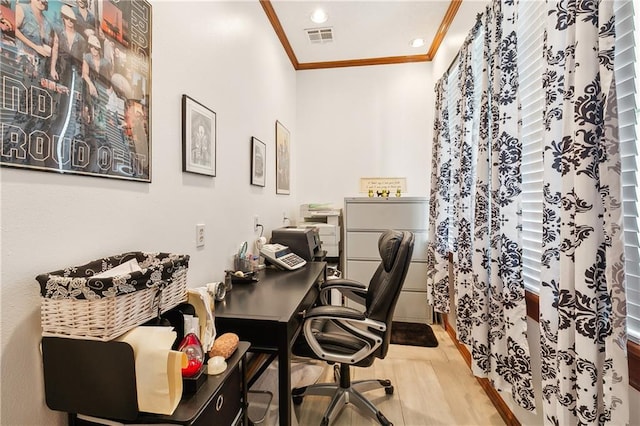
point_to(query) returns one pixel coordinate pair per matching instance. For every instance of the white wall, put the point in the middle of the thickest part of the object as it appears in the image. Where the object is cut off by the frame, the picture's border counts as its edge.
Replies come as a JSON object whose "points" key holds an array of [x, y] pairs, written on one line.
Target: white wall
{"points": [[371, 121], [375, 121], [225, 55]]}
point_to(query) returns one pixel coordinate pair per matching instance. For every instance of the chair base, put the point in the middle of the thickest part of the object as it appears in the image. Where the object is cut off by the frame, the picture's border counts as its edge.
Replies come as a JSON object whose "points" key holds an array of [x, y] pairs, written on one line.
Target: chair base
{"points": [[345, 392]]}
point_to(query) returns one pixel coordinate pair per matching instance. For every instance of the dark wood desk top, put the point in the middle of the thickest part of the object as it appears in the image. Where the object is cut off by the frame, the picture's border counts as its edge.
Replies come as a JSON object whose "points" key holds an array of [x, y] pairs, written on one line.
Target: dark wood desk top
{"points": [[275, 297]]}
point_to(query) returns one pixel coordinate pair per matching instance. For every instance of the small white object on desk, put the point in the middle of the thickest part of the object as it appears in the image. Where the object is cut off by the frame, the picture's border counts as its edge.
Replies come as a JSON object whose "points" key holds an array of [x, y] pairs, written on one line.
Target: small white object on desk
{"points": [[216, 365], [122, 269]]}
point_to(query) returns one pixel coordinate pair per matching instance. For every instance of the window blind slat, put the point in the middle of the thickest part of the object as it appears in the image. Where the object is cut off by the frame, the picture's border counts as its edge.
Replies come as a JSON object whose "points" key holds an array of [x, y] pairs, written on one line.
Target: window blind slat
{"points": [[627, 87], [530, 65]]}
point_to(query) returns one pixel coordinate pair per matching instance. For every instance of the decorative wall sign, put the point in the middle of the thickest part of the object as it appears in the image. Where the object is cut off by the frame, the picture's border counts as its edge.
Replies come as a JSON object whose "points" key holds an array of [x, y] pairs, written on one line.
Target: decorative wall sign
{"points": [[389, 184], [75, 86], [258, 162], [198, 138], [283, 160]]}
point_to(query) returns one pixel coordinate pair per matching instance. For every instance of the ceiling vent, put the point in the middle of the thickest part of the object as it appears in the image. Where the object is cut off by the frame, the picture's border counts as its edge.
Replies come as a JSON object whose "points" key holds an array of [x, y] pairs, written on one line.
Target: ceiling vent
{"points": [[320, 35]]}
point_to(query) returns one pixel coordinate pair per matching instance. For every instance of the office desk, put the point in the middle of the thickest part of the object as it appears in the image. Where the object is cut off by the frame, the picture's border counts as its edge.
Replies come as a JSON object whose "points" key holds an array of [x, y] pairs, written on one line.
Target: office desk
{"points": [[267, 314]]}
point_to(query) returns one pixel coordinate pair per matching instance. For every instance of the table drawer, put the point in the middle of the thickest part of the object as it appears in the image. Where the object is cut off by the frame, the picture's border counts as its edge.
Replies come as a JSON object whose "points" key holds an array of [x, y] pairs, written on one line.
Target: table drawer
{"points": [[387, 215], [411, 307], [364, 245], [225, 404], [362, 270]]}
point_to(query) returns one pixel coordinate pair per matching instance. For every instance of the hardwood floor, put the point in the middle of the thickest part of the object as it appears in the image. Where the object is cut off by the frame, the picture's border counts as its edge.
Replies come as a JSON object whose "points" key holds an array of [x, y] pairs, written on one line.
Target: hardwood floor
{"points": [[433, 386]]}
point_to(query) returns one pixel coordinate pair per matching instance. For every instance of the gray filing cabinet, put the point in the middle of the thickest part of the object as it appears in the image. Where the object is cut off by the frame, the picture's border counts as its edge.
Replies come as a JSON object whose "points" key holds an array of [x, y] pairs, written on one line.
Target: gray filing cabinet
{"points": [[365, 219]]}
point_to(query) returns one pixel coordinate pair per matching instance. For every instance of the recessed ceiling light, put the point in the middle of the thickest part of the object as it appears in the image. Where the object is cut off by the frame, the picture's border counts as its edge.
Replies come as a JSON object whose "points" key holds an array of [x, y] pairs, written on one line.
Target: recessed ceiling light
{"points": [[417, 42], [319, 16]]}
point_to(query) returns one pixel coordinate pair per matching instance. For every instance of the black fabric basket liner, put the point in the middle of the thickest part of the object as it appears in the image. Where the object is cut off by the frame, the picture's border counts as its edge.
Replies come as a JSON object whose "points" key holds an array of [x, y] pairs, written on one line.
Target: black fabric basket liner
{"points": [[157, 270]]}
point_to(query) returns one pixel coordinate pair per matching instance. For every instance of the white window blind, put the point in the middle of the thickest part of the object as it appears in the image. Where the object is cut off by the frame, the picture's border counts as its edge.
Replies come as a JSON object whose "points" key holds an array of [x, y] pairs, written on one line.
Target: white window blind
{"points": [[530, 66], [477, 65], [628, 88], [453, 97], [454, 106]]}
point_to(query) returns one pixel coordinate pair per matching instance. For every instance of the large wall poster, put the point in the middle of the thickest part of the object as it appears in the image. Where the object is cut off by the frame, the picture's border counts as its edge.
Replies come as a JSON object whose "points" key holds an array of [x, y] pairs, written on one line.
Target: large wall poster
{"points": [[76, 86]]}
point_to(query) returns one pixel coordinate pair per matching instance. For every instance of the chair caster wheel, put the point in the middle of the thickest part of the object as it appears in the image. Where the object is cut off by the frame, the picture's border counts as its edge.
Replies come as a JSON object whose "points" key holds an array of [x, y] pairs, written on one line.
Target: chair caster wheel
{"points": [[297, 400], [388, 390]]}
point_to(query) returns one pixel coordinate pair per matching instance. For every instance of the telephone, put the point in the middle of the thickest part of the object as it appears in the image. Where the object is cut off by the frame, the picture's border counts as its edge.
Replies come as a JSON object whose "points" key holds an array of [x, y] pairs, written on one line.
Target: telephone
{"points": [[282, 256]]}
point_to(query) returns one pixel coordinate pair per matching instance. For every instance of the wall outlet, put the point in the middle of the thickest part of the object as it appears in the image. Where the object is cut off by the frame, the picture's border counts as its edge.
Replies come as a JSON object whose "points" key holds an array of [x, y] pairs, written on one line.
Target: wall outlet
{"points": [[200, 235], [256, 222]]}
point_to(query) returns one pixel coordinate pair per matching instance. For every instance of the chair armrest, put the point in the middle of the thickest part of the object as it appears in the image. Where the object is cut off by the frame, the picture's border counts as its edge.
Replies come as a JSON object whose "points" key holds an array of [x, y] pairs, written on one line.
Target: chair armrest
{"points": [[367, 331], [343, 282], [351, 289], [334, 312]]}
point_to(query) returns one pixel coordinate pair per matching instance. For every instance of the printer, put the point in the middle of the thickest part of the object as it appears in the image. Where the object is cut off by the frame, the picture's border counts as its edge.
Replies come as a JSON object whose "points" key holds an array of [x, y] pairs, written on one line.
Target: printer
{"points": [[305, 242], [326, 218]]}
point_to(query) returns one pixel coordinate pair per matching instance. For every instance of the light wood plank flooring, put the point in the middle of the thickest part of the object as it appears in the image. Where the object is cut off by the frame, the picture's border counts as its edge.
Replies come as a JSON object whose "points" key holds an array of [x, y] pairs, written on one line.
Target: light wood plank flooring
{"points": [[433, 386]]}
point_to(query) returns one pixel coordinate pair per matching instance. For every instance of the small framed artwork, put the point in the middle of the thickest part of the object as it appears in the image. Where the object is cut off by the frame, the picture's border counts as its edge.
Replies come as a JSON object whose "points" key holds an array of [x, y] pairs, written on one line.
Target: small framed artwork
{"points": [[283, 160], [198, 138], [258, 162]]}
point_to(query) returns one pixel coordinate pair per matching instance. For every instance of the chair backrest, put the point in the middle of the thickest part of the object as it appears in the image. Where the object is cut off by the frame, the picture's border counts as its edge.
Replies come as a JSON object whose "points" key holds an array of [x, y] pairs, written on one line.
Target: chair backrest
{"points": [[396, 248]]}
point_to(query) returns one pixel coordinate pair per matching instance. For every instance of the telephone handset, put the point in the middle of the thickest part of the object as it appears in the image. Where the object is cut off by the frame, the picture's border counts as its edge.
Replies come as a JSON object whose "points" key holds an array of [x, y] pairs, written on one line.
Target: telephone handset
{"points": [[282, 256]]}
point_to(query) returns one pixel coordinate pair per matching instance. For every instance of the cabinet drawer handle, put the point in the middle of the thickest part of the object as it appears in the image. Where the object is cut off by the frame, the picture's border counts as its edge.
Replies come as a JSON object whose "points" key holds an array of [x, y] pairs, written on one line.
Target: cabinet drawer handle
{"points": [[219, 402]]}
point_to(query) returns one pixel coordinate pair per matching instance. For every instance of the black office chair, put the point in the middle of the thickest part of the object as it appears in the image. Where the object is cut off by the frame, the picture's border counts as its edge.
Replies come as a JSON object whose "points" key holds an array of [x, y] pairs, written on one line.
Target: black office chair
{"points": [[347, 336]]}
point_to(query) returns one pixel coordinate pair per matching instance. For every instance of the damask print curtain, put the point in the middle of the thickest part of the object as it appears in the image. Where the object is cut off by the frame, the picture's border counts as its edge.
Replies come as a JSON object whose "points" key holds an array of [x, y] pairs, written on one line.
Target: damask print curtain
{"points": [[476, 199], [437, 254], [582, 297], [480, 180]]}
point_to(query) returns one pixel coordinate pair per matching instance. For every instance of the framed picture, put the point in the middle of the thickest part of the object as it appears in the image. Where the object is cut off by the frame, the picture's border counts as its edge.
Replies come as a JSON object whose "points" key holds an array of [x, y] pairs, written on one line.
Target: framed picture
{"points": [[258, 162], [283, 160], [87, 111], [198, 138]]}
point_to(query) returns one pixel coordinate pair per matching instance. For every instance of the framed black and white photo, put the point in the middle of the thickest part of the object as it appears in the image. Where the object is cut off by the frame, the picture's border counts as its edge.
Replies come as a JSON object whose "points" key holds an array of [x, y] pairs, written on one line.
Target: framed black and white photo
{"points": [[258, 162], [283, 158], [198, 138]]}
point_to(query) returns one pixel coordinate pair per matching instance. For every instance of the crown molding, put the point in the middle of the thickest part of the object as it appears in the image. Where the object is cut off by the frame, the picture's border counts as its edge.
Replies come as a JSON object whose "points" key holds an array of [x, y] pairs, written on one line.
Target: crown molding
{"points": [[435, 44]]}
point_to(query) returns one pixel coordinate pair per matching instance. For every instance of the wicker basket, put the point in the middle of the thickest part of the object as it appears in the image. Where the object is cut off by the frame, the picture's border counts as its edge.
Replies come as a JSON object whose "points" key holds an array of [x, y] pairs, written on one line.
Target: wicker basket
{"points": [[76, 305]]}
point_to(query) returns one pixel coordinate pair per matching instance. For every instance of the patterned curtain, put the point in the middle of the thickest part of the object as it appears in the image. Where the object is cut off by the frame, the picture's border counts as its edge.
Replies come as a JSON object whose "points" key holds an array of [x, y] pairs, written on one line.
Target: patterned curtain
{"points": [[476, 202], [437, 253], [582, 297], [480, 178]]}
